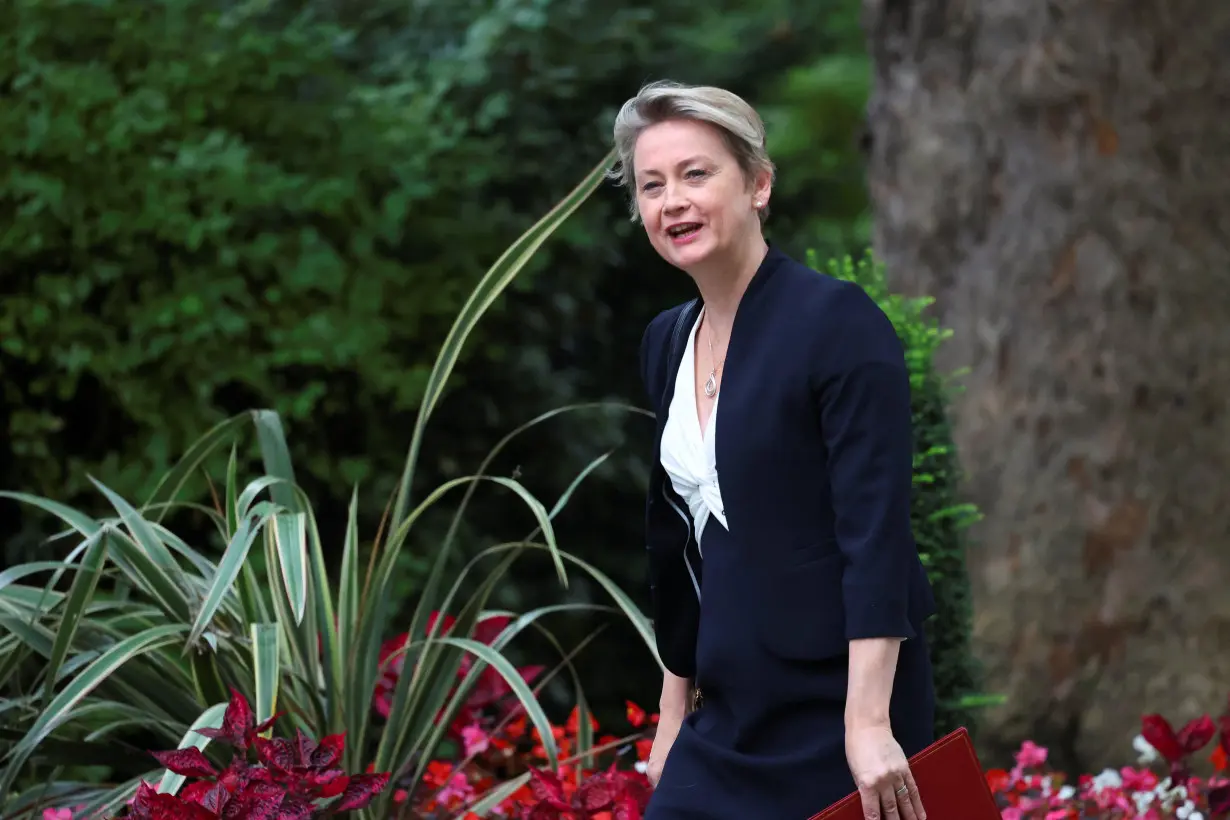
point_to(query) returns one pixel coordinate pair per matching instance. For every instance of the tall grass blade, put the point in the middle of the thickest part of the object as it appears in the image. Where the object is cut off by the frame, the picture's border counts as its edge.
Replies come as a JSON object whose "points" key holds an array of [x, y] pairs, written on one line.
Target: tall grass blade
{"points": [[142, 533], [358, 705], [80, 522], [276, 456], [533, 709], [14, 574], [232, 495], [79, 596], [169, 485], [224, 578], [492, 799], [266, 668], [290, 534], [499, 277]]}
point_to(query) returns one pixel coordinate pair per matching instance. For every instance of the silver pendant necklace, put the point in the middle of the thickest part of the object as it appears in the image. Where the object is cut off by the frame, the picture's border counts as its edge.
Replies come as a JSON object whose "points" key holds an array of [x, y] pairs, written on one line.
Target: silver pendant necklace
{"points": [[711, 385]]}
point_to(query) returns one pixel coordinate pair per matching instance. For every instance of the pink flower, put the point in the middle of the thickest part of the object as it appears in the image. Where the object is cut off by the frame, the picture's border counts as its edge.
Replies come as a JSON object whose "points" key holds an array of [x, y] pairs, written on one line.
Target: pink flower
{"points": [[458, 788], [1141, 780], [475, 740], [57, 814], [1031, 755]]}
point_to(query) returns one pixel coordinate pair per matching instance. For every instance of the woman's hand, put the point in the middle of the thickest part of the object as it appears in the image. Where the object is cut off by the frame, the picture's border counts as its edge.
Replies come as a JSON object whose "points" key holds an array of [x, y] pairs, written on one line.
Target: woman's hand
{"points": [[882, 775], [663, 739]]}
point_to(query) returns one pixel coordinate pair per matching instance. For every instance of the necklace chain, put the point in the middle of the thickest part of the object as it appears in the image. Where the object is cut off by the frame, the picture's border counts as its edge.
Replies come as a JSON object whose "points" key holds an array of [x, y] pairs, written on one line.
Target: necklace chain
{"points": [[711, 385]]}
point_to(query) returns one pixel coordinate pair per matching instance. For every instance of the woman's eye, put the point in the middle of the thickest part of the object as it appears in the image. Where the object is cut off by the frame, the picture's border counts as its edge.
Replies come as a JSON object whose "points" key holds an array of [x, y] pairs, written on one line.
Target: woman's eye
{"points": [[695, 173], [649, 186]]}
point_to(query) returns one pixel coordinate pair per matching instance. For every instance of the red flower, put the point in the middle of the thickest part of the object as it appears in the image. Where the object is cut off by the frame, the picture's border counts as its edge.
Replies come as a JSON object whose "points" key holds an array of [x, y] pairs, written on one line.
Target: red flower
{"points": [[998, 780]]}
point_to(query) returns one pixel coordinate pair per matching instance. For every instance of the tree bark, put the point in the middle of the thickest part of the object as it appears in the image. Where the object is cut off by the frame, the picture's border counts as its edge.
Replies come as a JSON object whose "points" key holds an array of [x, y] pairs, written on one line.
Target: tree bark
{"points": [[1056, 173]]}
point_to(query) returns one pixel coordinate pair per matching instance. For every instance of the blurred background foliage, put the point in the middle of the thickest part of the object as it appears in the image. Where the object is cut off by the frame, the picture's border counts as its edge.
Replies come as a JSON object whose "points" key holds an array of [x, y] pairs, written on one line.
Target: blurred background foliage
{"points": [[211, 206]]}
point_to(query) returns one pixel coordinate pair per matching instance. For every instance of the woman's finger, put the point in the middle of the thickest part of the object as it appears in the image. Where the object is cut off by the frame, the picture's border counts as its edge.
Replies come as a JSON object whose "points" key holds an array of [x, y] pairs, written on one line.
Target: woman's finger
{"points": [[888, 802], [915, 798], [871, 802], [905, 805]]}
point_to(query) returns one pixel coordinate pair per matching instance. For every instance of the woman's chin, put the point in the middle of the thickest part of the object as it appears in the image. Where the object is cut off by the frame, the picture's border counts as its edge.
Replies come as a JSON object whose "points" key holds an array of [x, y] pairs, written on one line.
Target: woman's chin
{"points": [[692, 255]]}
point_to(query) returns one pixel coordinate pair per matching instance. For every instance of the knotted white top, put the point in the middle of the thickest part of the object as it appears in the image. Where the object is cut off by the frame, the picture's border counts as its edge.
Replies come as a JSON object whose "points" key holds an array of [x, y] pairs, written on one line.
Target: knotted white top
{"points": [[688, 456]]}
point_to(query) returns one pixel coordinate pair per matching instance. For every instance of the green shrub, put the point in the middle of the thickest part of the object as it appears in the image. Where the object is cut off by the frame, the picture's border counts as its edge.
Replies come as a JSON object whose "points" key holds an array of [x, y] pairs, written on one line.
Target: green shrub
{"points": [[938, 516]]}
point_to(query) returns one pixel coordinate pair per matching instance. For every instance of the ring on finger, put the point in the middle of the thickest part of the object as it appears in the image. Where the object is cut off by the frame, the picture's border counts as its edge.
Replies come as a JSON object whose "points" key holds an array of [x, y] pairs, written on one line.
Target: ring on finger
{"points": [[904, 789]]}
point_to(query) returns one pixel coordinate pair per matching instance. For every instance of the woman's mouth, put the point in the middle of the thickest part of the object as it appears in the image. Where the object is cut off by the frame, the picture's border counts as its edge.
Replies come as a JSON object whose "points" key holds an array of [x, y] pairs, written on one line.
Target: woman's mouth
{"points": [[684, 232]]}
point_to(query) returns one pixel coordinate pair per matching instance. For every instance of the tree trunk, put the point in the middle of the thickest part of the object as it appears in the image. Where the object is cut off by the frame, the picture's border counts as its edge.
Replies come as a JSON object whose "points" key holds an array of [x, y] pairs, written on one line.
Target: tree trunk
{"points": [[1056, 173]]}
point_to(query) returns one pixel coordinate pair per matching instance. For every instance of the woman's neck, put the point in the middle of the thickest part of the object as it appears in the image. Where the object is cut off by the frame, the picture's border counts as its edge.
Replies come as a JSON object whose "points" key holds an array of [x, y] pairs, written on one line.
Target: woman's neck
{"points": [[722, 286]]}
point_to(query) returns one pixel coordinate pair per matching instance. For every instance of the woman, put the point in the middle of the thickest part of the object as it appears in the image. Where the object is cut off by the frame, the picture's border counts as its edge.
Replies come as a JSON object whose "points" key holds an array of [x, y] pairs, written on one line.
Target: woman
{"points": [[788, 596]]}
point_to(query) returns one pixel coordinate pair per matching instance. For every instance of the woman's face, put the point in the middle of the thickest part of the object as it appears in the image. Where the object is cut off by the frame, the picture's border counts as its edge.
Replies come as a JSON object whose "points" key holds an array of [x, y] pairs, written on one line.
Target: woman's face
{"points": [[694, 201]]}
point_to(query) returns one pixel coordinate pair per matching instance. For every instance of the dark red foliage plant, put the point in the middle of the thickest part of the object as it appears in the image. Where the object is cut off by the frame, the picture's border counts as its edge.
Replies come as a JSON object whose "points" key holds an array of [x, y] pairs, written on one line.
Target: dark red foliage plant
{"points": [[1176, 748], [614, 794], [295, 779]]}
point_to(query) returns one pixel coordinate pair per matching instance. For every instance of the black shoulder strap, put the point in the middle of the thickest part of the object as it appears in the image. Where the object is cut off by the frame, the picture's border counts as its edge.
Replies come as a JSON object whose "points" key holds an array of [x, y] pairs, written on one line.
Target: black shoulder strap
{"points": [[674, 351]]}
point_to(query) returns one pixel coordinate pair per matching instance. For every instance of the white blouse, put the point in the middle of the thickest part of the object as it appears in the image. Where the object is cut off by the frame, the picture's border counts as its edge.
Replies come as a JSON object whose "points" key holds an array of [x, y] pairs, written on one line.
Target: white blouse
{"points": [[688, 456]]}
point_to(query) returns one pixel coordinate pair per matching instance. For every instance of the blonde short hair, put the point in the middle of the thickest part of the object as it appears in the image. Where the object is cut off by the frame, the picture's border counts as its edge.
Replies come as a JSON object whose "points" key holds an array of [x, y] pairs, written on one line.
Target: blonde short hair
{"points": [[740, 126]]}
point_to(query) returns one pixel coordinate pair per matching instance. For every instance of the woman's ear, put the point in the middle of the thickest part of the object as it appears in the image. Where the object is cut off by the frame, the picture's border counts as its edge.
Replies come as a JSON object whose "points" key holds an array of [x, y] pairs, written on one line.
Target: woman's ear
{"points": [[761, 190]]}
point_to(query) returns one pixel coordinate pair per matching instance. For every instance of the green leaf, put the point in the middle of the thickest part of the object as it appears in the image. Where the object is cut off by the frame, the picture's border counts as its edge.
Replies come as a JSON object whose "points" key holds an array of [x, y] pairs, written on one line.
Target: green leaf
{"points": [[211, 718], [206, 677], [276, 455], [61, 707], [142, 533], [37, 637], [78, 597], [493, 798], [248, 497], [493, 283], [15, 574], [228, 570], [78, 521], [566, 495], [169, 485], [533, 709], [266, 668], [145, 574], [348, 623], [232, 499], [290, 534]]}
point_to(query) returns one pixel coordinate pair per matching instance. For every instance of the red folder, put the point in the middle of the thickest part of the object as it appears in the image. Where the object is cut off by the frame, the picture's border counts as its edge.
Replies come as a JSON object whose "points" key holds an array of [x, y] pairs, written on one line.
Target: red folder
{"points": [[950, 782]]}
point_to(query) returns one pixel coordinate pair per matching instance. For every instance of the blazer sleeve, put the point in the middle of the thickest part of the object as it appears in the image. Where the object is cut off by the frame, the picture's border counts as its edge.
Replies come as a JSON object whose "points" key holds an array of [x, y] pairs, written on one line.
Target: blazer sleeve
{"points": [[863, 390]]}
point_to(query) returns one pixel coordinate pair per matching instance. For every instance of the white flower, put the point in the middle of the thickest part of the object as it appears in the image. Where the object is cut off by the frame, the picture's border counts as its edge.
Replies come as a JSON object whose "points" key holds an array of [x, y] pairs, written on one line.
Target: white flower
{"points": [[1066, 792], [1187, 811], [1146, 751], [1169, 795], [1108, 779], [641, 766]]}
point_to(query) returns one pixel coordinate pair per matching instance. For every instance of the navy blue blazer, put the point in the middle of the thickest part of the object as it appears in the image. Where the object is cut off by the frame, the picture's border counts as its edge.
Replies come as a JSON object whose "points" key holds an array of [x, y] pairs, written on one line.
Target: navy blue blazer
{"points": [[816, 391]]}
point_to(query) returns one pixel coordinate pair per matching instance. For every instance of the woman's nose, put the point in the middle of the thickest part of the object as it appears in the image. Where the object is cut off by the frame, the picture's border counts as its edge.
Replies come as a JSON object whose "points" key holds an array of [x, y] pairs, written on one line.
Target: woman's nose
{"points": [[675, 199]]}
